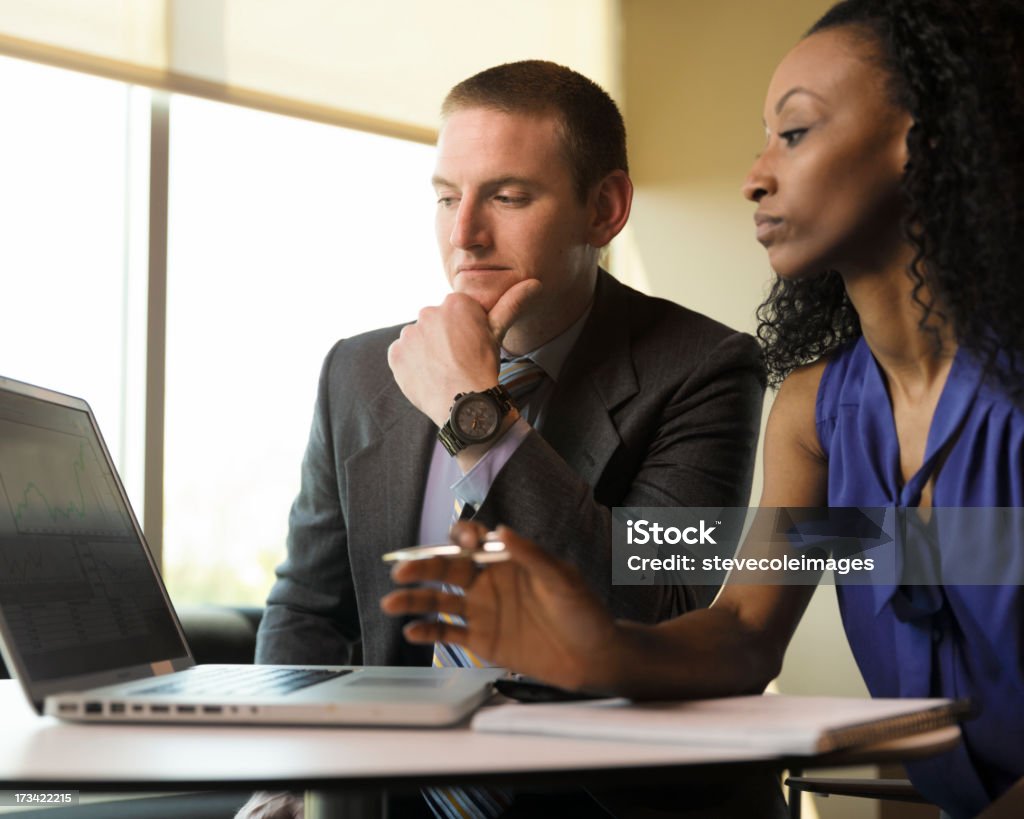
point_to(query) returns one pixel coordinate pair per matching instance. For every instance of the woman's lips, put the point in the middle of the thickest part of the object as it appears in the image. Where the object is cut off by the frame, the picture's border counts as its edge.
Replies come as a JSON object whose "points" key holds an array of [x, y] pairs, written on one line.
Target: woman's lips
{"points": [[767, 225]]}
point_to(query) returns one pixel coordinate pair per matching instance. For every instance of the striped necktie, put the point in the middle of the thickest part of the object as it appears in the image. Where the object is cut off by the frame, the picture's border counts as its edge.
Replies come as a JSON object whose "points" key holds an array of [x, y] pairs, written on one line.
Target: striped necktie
{"points": [[521, 377]]}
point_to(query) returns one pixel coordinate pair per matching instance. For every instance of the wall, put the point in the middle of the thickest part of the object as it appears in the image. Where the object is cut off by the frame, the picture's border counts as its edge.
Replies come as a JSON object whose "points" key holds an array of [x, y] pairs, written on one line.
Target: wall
{"points": [[395, 60]]}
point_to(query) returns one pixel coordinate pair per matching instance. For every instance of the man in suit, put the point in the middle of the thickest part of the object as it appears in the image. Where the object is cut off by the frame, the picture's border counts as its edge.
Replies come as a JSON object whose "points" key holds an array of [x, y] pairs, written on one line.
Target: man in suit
{"points": [[629, 401]]}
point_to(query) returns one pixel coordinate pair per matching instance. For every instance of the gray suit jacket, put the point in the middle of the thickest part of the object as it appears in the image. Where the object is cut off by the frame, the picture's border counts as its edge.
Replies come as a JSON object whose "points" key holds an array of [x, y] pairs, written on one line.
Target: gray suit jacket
{"points": [[655, 406]]}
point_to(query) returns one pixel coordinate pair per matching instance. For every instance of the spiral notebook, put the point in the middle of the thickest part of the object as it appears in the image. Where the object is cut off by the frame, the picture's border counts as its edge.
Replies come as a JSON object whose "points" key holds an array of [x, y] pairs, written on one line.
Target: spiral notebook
{"points": [[771, 723]]}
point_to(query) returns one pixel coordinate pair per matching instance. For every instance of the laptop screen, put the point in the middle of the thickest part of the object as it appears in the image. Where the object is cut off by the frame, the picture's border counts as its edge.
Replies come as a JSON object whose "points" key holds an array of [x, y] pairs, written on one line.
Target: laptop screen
{"points": [[78, 594]]}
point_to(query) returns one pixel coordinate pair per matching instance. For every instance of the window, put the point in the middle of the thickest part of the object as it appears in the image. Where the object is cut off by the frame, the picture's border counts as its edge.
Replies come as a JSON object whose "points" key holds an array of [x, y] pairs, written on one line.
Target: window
{"points": [[73, 289], [284, 236]]}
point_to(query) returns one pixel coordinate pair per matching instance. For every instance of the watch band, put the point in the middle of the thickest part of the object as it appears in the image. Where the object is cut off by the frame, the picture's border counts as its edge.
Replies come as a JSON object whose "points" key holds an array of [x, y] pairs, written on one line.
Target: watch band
{"points": [[501, 394], [449, 436], [446, 435]]}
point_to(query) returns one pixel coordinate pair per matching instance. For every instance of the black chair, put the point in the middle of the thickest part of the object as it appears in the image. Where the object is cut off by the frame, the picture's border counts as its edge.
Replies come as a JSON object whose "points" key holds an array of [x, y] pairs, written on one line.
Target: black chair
{"points": [[221, 634]]}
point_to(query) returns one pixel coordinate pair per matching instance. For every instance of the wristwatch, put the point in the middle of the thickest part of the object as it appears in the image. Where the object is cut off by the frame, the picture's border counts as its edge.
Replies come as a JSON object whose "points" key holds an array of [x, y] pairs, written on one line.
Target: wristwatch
{"points": [[475, 417]]}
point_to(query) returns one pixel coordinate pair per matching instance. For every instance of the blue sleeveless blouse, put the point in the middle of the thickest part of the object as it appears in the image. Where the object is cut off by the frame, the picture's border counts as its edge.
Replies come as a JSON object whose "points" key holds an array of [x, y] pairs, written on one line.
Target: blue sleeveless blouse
{"points": [[947, 641]]}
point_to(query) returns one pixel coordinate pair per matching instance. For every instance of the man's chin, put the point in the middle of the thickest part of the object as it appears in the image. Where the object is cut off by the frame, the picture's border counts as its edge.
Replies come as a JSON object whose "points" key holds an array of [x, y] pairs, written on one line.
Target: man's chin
{"points": [[486, 297]]}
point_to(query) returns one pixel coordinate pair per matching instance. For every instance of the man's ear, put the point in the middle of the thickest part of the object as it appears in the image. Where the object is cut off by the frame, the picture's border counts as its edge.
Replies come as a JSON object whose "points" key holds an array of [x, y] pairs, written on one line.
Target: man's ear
{"points": [[610, 201]]}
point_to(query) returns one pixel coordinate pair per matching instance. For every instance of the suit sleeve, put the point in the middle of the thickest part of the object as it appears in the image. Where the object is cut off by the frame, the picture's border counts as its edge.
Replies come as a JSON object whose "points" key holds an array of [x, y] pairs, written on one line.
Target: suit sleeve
{"points": [[311, 614], [698, 451]]}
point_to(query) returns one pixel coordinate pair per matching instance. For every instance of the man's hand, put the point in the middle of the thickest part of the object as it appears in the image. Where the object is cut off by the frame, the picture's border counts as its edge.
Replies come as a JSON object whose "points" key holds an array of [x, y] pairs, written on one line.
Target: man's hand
{"points": [[531, 614], [454, 348]]}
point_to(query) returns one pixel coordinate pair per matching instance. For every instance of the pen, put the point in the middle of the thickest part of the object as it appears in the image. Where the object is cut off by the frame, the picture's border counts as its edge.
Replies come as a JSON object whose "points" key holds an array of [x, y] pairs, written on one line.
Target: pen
{"points": [[490, 552]]}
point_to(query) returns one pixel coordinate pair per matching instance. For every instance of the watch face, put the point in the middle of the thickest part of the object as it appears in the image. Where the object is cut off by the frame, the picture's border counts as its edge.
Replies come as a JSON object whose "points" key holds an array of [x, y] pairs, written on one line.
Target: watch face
{"points": [[475, 418]]}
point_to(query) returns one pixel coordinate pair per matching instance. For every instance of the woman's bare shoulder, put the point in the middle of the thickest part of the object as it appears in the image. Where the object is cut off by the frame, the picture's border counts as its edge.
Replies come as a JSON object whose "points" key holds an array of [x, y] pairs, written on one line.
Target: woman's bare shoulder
{"points": [[795, 470], [794, 407]]}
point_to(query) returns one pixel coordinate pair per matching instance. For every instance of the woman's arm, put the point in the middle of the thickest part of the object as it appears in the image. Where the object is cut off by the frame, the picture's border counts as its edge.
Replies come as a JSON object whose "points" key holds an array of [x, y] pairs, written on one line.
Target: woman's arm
{"points": [[534, 613]]}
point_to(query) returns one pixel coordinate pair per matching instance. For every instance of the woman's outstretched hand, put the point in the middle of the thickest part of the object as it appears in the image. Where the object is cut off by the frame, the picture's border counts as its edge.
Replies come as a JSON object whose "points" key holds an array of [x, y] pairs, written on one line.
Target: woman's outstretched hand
{"points": [[532, 613]]}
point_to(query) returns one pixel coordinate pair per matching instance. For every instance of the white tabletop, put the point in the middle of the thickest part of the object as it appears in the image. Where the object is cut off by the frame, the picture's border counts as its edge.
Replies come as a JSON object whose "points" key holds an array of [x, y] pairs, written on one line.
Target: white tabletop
{"points": [[43, 749]]}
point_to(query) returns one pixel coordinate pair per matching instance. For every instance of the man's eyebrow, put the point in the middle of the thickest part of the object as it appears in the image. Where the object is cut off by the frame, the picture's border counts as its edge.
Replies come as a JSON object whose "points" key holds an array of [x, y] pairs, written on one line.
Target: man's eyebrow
{"points": [[799, 89], [441, 182], [512, 180]]}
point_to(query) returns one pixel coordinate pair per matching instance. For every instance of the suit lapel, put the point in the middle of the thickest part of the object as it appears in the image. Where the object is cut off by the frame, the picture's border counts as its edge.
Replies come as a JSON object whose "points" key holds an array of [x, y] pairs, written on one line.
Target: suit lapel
{"points": [[386, 480], [598, 377], [390, 474]]}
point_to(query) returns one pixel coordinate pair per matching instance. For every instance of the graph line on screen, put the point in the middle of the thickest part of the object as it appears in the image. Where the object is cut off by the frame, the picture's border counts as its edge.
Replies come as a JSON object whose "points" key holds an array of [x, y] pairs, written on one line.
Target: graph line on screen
{"points": [[56, 485]]}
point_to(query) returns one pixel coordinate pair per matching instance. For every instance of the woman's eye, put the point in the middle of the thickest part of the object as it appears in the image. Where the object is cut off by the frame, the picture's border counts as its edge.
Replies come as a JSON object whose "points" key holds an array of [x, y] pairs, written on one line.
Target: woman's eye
{"points": [[793, 136]]}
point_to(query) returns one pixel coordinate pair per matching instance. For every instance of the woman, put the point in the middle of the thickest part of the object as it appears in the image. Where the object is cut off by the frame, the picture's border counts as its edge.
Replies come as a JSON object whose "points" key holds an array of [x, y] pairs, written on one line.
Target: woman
{"points": [[889, 198]]}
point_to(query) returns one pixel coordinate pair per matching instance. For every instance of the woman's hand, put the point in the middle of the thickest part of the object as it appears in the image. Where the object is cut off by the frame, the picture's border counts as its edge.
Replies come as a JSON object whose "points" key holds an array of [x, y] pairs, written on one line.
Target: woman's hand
{"points": [[532, 613]]}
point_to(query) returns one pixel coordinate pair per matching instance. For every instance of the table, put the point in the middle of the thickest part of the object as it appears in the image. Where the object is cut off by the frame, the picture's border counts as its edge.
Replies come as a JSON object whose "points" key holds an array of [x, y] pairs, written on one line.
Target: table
{"points": [[42, 752]]}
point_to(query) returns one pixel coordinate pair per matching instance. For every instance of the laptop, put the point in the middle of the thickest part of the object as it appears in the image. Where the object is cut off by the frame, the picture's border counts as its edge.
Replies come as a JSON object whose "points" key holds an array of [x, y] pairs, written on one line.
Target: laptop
{"points": [[88, 629]]}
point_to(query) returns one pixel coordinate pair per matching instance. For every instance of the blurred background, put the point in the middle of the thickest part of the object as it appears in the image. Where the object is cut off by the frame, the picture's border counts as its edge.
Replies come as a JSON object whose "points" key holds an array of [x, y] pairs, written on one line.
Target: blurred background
{"points": [[198, 197]]}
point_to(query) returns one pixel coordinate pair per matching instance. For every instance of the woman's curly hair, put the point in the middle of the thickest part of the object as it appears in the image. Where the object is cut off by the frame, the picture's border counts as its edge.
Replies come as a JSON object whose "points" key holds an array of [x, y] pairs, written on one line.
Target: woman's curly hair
{"points": [[957, 66]]}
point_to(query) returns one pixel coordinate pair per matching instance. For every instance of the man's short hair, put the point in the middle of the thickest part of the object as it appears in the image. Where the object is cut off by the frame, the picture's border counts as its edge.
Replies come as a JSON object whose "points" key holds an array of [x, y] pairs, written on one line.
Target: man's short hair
{"points": [[593, 132]]}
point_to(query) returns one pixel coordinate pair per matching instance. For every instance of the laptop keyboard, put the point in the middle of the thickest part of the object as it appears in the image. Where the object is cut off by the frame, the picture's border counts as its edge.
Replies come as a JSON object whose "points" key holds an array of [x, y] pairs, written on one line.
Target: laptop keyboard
{"points": [[244, 681]]}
